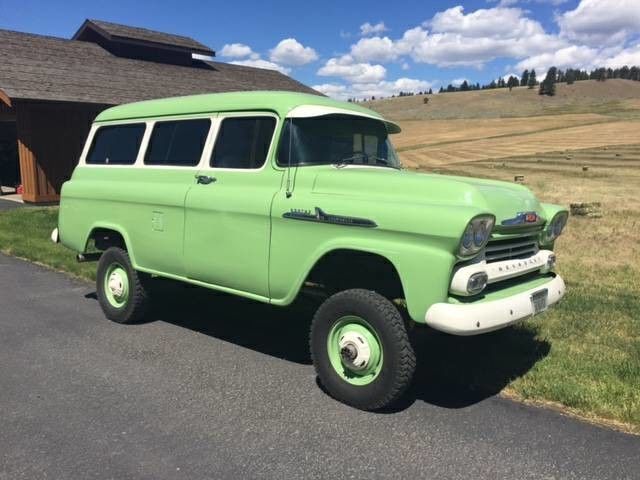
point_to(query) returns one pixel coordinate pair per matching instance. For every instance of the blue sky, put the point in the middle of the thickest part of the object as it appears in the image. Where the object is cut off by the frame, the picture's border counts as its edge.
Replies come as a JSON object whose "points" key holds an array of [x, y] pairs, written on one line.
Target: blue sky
{"points": [[363, 48]]}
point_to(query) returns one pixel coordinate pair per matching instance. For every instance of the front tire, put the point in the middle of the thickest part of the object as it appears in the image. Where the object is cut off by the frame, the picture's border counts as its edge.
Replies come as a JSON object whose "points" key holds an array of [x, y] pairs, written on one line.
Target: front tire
{"points": [[361, 350], [121, 294]]}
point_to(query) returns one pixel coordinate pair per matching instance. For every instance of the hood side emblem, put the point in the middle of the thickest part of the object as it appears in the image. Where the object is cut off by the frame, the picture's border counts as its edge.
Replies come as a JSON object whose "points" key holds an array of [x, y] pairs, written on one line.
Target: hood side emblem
{"points": [[522, 218], [320, 216]]}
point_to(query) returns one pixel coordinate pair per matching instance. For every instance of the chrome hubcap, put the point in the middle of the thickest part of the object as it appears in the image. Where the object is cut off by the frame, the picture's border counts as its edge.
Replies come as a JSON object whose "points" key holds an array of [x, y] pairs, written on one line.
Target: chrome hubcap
{"points": [[354, 350]]}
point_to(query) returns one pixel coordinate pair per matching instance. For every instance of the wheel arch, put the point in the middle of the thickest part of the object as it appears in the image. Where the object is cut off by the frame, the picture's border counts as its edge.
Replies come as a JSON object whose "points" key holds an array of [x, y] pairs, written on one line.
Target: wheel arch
{"points": [[99, 228], [324, 262]]}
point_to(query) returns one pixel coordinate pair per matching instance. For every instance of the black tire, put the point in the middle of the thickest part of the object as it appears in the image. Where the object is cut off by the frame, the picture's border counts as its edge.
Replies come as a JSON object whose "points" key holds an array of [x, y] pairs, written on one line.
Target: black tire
{"points": [[135, 302], [399, 359]]}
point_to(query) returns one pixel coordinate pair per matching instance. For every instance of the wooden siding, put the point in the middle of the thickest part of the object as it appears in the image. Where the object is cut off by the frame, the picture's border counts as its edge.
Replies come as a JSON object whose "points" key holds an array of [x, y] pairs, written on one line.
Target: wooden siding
{"points": [[50, 140], [6, 113]]}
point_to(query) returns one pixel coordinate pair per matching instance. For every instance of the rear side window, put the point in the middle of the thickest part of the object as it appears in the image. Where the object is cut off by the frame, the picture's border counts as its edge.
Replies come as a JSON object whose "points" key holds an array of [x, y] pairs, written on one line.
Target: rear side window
{"points": [[243, 142], [177, 143], [116, 145]]}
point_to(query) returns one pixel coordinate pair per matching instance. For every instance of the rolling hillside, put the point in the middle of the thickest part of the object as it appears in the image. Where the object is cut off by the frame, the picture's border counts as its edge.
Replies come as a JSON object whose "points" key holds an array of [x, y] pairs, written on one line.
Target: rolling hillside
{"points": [[492, 124], [587, 96]]}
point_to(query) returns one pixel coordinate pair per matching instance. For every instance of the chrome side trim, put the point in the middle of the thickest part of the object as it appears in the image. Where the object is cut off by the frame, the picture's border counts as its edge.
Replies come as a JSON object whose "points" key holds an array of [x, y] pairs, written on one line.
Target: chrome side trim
{"points": [[322, 217]]}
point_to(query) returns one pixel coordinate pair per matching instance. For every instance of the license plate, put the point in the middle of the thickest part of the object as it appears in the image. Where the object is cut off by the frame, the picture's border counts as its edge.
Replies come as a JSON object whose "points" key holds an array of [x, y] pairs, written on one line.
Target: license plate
{"points": [[539, 300]]}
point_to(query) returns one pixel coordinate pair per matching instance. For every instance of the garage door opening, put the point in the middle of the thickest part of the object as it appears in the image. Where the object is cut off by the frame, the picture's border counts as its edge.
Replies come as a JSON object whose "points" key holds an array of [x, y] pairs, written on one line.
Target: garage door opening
{"points": [[9, 163]]}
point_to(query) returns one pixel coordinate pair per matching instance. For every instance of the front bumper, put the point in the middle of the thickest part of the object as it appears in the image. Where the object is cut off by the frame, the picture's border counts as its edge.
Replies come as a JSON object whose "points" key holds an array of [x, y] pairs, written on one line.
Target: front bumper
{"points": [[481, 317]]}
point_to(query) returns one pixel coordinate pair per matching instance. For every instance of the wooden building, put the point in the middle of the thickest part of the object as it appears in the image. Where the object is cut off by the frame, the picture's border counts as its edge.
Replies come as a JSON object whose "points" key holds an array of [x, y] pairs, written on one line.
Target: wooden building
{"points": [[52, 88]]}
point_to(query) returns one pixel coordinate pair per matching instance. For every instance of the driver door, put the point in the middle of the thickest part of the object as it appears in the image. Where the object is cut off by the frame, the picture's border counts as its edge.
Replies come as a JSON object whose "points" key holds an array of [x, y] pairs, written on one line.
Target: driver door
{"points": [[227, 211]]}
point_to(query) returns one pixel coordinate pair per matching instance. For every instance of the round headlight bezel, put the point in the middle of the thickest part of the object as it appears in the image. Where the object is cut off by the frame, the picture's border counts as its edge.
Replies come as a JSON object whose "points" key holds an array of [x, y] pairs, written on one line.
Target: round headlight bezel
{"points": [[555, 227], [478, 229]]}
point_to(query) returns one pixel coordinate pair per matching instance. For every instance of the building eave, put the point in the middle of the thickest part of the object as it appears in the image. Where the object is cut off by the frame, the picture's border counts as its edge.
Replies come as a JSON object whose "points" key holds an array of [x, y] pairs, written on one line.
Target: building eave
{"points": [[4, 98]]}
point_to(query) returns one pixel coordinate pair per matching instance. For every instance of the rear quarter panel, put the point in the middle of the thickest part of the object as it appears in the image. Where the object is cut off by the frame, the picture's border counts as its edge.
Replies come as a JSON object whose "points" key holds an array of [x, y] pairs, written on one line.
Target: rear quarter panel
{"points": [[145, 205]]}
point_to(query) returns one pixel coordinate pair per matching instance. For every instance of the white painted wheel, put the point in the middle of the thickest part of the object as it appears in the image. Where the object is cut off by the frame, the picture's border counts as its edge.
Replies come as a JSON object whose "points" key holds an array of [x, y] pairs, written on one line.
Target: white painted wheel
{"points": [[116, 284]]}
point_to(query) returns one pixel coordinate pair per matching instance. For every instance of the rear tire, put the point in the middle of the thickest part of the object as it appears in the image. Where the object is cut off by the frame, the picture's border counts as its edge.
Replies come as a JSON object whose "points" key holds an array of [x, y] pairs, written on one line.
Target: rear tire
{"points": [[361, 350], [121, 293]]}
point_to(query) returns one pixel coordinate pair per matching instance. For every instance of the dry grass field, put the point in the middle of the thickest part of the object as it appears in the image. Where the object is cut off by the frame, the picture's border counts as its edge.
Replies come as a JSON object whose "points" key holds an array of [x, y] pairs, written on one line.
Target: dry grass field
{"points": [[583, 146]]}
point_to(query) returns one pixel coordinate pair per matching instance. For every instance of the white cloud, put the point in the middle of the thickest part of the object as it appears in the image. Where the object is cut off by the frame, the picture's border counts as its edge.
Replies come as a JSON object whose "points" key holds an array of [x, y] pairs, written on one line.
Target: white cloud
{"points": [[449, 50], [374, 49], [508, 3], [236, 50], [595, 22], [491, 23], [569, 57], [455, 38], [261, 63], [247, 57], [368, 29], [333, 90], [629, 56], [473, 39], [352, 71], [456, 82], [291, 52], [405, 66]]}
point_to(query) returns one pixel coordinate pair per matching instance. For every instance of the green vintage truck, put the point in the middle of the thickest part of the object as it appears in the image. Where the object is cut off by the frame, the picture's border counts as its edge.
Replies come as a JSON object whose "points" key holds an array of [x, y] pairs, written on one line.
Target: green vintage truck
{"points": [[264, 194]]}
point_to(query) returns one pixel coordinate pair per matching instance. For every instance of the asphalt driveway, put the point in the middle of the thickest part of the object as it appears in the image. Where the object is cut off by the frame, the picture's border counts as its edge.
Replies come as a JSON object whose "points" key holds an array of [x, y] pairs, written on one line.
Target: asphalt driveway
{"points": [[9, 204], [217, 387]]}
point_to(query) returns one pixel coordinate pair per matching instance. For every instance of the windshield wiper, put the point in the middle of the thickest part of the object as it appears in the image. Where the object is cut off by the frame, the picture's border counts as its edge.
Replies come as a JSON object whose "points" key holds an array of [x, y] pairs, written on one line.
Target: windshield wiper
{"points": [[385, 162], [351, 160]]}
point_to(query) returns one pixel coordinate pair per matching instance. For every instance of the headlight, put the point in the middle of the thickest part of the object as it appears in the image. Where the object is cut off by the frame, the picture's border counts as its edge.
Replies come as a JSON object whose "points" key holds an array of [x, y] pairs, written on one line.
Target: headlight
{"points": [[476, 235], [555, 227]]}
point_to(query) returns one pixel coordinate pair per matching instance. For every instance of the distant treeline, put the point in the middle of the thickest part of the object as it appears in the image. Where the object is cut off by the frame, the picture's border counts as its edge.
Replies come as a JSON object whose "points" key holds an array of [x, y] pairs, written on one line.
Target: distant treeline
{"points": [[554, 75], [529, 79]]}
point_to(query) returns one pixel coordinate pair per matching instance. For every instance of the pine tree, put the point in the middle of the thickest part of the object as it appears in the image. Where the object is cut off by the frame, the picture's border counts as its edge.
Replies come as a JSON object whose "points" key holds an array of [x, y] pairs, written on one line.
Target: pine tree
{"points": [[524, 80], [532, 79], [570, 77], [548, 85]]}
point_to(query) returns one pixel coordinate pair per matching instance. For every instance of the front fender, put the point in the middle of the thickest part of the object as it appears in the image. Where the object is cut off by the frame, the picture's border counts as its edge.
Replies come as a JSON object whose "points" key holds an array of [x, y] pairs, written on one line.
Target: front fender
{"points": [[424, 269]]}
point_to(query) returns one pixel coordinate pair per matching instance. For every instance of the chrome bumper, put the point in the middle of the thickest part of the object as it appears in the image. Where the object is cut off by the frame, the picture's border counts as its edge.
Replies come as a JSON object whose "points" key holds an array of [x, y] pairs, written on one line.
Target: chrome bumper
{"points": [[476, 318]]}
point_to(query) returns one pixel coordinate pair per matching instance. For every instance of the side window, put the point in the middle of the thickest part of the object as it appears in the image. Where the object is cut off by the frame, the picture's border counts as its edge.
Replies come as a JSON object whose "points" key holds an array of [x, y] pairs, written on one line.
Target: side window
{"points": [[243, 142], [116, 145], [178, 143]]}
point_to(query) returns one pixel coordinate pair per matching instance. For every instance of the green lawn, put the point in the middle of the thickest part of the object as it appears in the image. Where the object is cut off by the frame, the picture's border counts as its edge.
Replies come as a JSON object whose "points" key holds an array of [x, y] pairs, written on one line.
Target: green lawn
{"points": [[583, 354], [25, 233]]}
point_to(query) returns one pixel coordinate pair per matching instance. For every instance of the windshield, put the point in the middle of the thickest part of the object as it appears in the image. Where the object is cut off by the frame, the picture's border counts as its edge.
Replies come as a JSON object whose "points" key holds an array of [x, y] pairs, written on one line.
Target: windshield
{"points": [[336, 139]]}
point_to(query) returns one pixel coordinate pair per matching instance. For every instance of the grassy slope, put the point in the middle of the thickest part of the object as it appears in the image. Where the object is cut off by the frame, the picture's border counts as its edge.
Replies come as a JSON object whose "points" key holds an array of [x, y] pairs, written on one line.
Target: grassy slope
{"points": [[617, 96]]}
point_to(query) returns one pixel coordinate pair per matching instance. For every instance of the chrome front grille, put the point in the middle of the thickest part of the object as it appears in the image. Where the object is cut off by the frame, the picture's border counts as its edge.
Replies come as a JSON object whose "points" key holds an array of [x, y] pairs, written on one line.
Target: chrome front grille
{"points": [[521, 246]]}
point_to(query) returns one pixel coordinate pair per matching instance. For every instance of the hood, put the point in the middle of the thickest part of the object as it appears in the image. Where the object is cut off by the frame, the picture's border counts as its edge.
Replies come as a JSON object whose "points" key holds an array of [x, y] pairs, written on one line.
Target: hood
{"points": [[502, 199]]}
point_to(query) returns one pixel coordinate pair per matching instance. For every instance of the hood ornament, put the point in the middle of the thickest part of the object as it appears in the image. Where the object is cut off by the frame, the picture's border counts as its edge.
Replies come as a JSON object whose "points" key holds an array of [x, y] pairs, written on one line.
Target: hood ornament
{"points": [[522, 218]]}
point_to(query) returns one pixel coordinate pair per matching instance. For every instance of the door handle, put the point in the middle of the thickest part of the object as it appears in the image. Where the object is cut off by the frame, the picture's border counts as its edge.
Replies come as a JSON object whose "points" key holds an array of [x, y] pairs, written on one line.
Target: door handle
{"points": [[205, 179]]}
